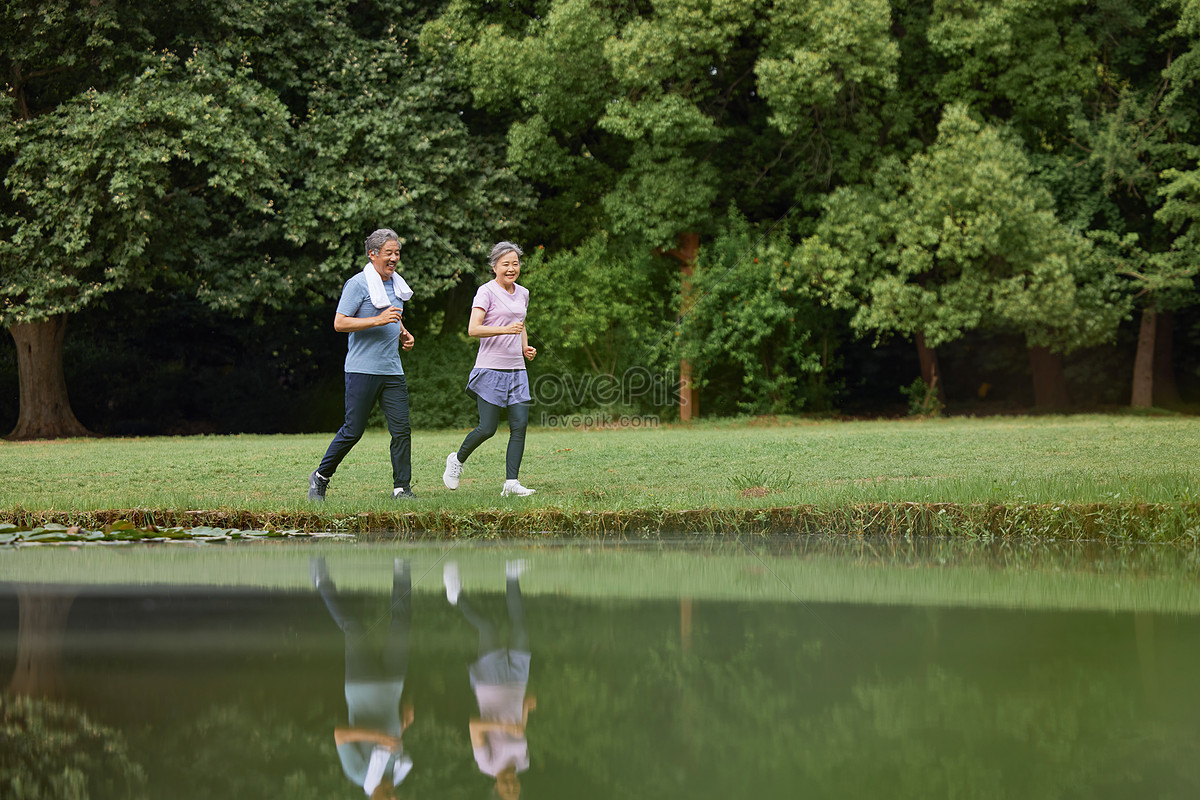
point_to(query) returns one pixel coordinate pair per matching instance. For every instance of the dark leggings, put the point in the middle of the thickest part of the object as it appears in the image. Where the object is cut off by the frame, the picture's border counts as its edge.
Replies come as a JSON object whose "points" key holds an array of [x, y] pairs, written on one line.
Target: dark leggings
{"points": [[489, 636], [489, 418]]}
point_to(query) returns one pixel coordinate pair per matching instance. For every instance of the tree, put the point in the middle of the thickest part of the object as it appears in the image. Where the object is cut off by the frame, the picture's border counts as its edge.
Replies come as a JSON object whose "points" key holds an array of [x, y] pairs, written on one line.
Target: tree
{"points": [[1139, 138], [640, 120], [754, 327], [113, 187], [195, 150], [959, 238]]}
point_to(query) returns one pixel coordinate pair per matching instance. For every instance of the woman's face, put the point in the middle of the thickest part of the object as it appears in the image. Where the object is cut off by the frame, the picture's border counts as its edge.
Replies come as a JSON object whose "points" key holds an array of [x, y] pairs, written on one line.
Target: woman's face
{"points": [[507, 269]]}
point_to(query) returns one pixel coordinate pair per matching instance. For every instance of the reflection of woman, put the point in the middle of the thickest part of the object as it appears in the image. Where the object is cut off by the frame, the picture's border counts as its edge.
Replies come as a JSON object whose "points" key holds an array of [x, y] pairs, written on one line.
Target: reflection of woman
{"points": [[499, 677], [370, 747], [499, 380]]}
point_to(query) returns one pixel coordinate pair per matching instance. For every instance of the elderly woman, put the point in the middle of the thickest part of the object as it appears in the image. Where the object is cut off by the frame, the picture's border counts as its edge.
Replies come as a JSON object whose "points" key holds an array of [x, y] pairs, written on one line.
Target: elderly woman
{"points": [[499, 380]]}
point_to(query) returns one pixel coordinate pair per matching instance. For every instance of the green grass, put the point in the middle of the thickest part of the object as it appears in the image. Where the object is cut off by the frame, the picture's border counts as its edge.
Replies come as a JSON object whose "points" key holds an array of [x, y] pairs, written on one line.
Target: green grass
{"points": [[706, 476]]}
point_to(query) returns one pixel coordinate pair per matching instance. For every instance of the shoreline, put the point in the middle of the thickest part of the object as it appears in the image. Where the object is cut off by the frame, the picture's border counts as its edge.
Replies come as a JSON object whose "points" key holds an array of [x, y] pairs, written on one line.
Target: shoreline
{"points": [[1177, 523]]}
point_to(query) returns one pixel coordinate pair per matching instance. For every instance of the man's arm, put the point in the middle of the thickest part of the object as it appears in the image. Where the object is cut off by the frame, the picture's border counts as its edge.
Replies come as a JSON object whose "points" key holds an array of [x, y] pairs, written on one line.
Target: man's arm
{"points": [[343, 736], [345, 324]]}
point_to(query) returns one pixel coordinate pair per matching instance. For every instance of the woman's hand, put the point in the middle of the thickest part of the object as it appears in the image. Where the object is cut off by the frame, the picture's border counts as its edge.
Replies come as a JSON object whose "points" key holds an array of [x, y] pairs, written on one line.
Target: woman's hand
{"points": [[530, 353], [516, 327]]}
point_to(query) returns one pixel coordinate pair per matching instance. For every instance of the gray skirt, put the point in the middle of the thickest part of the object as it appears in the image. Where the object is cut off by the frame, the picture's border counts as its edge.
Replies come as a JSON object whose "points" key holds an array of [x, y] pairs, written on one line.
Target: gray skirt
{"points": [[500, 387]]}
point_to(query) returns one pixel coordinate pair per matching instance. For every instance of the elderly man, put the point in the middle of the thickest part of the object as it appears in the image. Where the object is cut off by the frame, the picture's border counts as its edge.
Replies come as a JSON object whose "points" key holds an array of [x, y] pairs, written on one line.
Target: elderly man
{"points": [[370, 309]]}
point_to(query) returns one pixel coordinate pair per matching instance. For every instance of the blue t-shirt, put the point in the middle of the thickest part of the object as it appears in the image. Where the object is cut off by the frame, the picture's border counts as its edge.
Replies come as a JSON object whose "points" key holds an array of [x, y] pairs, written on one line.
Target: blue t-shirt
{"points": [[374, 351]]}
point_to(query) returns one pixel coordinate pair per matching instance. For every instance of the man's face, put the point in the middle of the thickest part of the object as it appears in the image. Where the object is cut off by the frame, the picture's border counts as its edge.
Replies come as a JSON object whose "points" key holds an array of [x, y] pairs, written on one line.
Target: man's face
{"points": [[385, 259]]}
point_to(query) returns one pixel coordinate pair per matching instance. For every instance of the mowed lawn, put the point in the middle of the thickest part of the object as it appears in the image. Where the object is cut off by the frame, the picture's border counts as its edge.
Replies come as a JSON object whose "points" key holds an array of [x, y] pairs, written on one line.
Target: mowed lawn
{"points": [[1070, 459]]}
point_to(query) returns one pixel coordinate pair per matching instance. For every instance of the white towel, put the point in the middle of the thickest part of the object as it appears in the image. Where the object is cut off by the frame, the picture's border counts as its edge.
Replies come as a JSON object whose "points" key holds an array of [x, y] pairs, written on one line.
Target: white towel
{"points": [[377, 765], [375, 287]]}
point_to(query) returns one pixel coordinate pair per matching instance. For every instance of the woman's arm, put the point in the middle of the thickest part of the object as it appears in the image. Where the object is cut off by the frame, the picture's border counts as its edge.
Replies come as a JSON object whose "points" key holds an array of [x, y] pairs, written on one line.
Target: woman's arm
{"points": [[477, 330]]}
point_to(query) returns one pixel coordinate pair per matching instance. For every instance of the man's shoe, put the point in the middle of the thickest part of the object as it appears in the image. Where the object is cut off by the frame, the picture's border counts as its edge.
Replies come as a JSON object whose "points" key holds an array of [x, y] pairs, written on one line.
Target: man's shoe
{"points": [[318, 573], [454, 468], [317, 486], [515, 487], [405, 493]]}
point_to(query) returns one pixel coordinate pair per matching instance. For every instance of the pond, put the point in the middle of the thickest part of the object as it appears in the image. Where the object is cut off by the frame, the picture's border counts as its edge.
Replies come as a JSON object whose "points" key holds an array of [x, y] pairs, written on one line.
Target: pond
{"points": [[710, 668]]}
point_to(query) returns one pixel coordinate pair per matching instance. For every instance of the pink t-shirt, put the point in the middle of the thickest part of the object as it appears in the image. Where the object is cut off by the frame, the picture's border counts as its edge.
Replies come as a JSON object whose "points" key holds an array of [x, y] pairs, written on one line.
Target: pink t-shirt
{"points": [[501, 308]]}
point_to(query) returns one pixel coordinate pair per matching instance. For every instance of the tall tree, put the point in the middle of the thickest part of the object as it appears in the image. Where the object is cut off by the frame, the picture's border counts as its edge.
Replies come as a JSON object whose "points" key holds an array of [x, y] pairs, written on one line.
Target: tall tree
{"points": [[238, 149], [960, 238]]}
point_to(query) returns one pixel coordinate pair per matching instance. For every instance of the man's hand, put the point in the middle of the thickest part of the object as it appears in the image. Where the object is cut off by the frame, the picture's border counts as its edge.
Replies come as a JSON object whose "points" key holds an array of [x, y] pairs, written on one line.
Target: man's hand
{"points": [[387, 316]]}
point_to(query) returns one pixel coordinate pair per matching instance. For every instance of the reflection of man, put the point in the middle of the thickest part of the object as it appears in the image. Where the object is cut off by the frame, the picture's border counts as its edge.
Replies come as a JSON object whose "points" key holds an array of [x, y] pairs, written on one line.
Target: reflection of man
{"points": [[499, 677], [370, 746]]}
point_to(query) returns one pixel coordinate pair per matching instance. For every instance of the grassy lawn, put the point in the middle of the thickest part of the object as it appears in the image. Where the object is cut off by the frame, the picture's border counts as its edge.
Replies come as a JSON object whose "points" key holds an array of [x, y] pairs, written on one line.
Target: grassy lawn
{"points": [[720, 468]]}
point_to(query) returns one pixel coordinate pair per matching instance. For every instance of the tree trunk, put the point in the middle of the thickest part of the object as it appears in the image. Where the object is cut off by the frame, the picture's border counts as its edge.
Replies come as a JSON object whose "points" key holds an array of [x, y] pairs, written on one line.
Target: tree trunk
{"points": [[1049, 380], [689, 396], [45, 410], [1166, 392], [40, 635], [1143, 363], [931, 368]]}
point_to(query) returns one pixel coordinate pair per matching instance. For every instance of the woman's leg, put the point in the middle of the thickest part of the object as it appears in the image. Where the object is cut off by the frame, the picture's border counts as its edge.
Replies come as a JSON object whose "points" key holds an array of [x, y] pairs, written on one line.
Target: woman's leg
{"points": [[489, 637], [489, 418], [518, 637], [518, 421]]}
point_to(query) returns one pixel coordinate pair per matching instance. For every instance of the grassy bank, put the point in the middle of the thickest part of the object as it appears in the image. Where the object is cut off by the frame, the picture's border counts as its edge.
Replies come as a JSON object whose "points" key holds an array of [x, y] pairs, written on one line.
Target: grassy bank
{"points": [[1128, 477]]}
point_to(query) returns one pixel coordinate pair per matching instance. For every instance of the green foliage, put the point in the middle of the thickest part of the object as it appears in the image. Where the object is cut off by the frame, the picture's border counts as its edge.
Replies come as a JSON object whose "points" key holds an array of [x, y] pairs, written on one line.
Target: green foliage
{"points": [[749, 313], [112, 188], [958, 238], [53, 751], [593, 308], [922, 399]]}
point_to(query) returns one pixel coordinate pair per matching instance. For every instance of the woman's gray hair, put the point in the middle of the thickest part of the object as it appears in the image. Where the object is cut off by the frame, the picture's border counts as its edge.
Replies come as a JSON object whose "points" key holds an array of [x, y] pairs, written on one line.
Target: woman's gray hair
{"points": [[379, 238], [500, 249]]}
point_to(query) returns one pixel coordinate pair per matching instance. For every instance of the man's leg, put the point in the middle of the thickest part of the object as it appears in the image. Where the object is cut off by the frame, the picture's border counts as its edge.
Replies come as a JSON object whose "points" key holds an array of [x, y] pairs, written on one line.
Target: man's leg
{"points": [[393, 400], [395, 648], [361, 393], [358, 660], [518, 422]]}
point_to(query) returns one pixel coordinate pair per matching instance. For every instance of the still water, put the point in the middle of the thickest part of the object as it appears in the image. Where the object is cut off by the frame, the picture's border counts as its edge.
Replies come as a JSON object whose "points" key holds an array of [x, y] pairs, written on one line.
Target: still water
{"points": [[826, 668]]}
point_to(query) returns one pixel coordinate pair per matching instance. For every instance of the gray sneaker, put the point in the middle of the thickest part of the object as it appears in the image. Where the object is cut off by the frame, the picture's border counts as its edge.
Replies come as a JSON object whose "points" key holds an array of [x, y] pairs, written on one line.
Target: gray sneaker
{"points": [[405, 493], [317, 486], [318, 572]]}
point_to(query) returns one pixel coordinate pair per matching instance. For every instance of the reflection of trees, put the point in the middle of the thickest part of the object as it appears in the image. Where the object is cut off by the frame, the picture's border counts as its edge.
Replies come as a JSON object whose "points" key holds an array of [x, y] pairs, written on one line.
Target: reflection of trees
{"points": [[235, 750], [50, 749], [39, 641], [53, 751], [231, 752], [762, 706]]}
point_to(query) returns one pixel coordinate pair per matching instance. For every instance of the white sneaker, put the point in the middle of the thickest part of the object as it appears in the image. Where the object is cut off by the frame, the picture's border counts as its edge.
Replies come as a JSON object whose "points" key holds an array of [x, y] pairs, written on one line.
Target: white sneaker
{"points": [[515, 487], [454, 468], [453, 584]]}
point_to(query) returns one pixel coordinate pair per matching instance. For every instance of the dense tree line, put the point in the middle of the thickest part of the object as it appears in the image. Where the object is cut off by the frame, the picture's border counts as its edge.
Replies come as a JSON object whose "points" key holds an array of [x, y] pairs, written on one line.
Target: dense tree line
{"points": [[806, 204]]}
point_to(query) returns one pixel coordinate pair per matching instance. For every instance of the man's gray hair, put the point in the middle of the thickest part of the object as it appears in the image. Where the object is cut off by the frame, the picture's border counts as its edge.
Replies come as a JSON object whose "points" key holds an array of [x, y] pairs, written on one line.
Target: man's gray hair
{"points": [[379, 238], [500, 249]]}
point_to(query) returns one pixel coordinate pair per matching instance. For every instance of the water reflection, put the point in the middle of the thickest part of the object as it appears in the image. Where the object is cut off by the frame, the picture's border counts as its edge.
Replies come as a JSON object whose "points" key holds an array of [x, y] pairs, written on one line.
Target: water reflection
{"points": [[499, 678], [371, 747], [686, 678]]}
